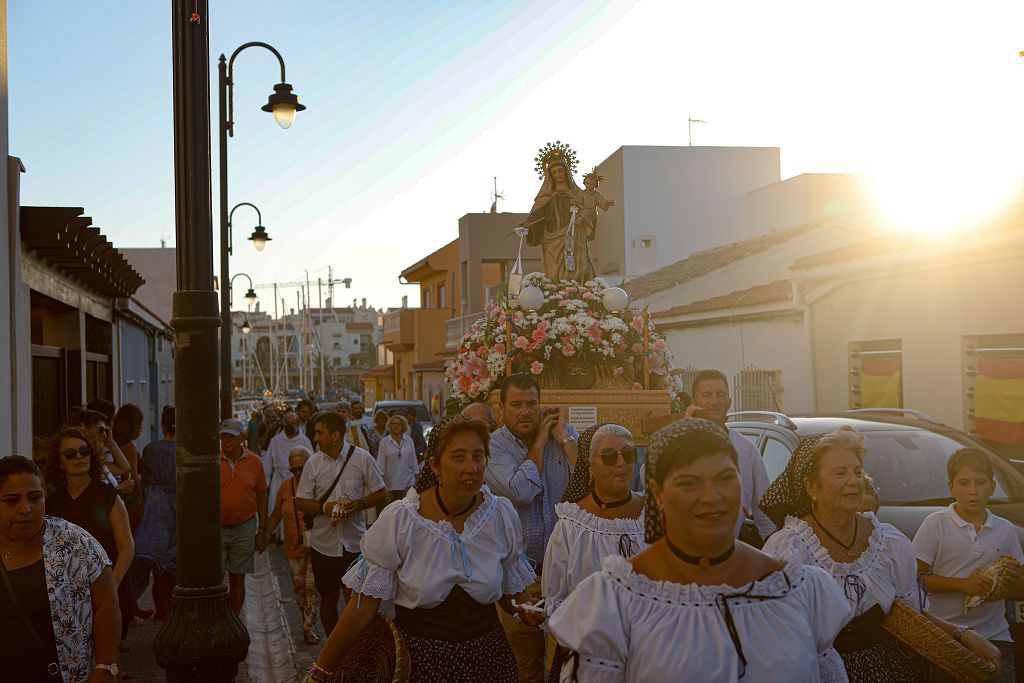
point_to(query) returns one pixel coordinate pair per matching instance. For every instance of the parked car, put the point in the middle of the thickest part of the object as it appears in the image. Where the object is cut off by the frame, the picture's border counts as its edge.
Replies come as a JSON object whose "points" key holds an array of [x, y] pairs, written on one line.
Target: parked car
{"points": [[906, 458], [422, 414]]}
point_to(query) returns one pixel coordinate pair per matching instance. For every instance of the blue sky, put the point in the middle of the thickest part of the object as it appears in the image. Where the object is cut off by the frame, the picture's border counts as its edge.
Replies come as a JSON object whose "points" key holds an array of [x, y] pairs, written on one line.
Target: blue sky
{"points": [[415, 106]]}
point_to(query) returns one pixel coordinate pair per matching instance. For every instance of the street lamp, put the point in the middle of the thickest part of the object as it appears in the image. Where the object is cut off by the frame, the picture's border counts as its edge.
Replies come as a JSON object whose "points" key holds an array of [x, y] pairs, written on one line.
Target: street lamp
{"points": [[283, 104], [201, 639], [250, 296], [246, 327]]}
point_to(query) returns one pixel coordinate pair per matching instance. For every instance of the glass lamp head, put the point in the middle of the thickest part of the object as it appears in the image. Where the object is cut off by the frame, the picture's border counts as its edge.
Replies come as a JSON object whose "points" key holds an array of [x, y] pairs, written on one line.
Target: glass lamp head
{"points": [[283, 104], [259, 237]]}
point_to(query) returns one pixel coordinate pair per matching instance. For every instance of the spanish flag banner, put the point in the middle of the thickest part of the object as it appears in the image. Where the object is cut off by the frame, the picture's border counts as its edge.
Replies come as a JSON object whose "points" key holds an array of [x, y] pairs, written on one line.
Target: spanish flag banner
{"points": [[999, 400], [881, 382]]}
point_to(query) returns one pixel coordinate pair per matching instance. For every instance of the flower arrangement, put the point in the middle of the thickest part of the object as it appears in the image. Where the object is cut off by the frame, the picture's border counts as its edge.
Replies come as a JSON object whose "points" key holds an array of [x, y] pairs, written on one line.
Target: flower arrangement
{"points": [[571, 329]]}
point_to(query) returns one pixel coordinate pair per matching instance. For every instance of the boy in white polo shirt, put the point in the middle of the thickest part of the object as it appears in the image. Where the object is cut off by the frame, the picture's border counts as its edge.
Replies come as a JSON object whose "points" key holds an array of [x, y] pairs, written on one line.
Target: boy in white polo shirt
{"points": [[954, 543]]}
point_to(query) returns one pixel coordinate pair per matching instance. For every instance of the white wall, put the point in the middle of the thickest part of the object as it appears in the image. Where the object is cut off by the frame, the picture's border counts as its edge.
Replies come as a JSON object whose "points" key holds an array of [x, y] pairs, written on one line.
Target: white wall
{"points": [[690, 198], [771, 344]]}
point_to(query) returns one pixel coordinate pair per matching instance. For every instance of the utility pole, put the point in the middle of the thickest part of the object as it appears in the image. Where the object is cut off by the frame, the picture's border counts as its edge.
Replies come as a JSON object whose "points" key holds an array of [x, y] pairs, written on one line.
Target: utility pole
{"points": [[320, 335], [284, 308], [273, 347], [202, 640]]}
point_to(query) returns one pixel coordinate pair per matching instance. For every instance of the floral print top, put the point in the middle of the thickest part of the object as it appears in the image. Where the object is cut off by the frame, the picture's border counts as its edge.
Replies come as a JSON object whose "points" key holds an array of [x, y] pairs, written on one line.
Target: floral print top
{"points": [[72, 560]]}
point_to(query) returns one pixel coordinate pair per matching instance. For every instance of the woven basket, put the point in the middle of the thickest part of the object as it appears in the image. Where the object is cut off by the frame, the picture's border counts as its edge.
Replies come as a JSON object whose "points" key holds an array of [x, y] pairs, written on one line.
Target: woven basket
{"points": [[379, 654], [937, 647]]}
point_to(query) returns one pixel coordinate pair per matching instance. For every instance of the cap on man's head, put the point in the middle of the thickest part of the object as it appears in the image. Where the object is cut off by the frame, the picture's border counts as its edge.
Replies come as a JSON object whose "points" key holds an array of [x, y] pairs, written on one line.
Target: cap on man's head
{"points": [[232, 427]]}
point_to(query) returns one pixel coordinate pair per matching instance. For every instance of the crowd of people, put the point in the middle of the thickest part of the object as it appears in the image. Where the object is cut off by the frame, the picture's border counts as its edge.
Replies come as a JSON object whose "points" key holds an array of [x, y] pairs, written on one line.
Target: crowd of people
{"points": [[525, 552]]}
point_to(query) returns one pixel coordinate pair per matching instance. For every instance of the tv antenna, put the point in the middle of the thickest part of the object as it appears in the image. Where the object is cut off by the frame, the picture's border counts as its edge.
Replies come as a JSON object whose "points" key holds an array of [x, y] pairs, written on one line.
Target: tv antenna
{"points": [[495, 197], [689, 127]]}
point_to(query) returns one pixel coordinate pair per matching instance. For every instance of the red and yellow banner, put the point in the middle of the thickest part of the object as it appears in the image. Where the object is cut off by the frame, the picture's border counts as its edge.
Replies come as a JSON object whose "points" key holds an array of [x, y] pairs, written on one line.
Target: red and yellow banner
{"points": [[999, 400], [881, 382]]}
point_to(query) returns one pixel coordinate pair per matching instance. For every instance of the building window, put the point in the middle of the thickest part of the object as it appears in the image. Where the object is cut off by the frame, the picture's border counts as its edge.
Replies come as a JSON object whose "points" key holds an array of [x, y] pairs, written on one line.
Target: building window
{"points": [[355, 342], [426, 298], [756, 389], [876, 374], [993, 381], [442, 300]]}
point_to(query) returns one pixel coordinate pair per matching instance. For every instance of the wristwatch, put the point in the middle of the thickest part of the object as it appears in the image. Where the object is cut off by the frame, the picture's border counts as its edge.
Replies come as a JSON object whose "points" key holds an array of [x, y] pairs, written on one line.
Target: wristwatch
{"points": [[959, 632], [113, 669], [568, 439]]}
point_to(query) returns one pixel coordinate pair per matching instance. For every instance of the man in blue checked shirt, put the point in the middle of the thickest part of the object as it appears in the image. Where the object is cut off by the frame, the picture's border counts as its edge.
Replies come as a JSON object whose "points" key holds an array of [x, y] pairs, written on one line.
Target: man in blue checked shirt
{"points": [[532, 457]]}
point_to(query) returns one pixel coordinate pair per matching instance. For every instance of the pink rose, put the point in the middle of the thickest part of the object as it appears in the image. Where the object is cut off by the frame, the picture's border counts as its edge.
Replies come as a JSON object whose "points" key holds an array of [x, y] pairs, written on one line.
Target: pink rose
{"points": [[482, 351], [537, 367], [521, 343], [618, 372], [637, 386], [499, 347], [661, 345], [637, 324], [474, 389], [638, 348], [568, 349]]}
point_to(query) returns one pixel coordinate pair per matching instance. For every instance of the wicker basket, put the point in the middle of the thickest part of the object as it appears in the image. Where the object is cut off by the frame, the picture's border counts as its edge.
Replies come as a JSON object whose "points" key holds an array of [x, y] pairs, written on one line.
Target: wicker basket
{"points": [[379, 654], [937, 647]]}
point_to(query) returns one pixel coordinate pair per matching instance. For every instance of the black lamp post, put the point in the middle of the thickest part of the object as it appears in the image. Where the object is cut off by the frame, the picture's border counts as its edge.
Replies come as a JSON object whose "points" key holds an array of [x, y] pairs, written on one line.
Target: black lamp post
{"points": [[283, 104], [201, 640], [259, 239]]}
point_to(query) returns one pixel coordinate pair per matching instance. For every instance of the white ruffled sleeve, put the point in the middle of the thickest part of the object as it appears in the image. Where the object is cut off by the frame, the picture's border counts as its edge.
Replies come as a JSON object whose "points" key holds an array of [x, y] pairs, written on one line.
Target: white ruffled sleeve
{"points": [[591, 623], [517, 572], [375, 573], [787, 544], [901, 554], [554, 582]]}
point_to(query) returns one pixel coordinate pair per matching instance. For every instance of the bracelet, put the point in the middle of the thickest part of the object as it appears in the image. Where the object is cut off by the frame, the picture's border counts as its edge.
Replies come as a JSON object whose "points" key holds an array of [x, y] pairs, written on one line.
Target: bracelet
{"points": [[958, 634], [318, 674]]}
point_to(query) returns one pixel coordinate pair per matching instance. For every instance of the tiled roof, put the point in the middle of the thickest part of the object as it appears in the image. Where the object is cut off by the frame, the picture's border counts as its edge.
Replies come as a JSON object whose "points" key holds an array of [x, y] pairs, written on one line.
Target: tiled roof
{"points": [[378, 369], [360, 327], [704, 262], [780, 290]]}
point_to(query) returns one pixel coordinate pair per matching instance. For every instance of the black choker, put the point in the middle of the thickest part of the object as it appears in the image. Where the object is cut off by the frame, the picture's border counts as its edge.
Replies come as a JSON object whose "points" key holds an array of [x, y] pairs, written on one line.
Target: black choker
{"points": [[702, 562], [614, 504], [437, 495]]}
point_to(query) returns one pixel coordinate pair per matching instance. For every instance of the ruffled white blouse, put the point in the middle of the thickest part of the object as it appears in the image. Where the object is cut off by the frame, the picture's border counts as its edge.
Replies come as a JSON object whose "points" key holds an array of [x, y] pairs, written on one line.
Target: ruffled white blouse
{"points": [[627, 627], [416, 562], [886, 570], [579, 543]]}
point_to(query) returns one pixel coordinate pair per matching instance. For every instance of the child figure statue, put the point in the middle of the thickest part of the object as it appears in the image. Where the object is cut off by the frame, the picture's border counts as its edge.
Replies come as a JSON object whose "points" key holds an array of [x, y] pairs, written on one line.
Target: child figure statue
{"points": [[593, 200]]}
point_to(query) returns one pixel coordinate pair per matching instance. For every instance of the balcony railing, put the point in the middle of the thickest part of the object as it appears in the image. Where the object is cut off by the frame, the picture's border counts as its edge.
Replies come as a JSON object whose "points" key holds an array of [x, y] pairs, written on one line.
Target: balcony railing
{"points": [[456, 328]]}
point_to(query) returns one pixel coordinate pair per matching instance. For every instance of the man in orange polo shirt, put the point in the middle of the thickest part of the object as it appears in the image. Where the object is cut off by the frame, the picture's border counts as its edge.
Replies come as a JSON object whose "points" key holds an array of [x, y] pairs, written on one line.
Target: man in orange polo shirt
{"points": [[243, 508]]}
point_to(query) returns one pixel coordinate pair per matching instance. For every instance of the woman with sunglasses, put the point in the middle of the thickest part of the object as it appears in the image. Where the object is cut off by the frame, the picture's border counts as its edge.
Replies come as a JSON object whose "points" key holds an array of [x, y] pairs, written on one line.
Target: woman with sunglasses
{"points": [[599, 516], [295, 547], [81, 496]]}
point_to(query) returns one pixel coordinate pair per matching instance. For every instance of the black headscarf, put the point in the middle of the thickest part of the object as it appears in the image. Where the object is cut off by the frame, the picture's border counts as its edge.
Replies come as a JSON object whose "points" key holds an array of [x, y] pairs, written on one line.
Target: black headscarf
{"points": [[787, 496], [427, 478], [580, 485]]}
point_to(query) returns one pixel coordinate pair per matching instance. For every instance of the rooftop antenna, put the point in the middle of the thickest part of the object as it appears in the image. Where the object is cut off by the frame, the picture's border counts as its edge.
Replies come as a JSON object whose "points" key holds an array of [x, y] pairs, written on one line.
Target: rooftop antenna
{"points": [[689, 127], [495, 197]]}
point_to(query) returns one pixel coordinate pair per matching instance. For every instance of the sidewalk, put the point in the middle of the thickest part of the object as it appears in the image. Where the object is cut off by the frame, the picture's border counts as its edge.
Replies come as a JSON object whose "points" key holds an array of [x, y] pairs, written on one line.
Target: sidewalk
{"points": [[277, 651]]}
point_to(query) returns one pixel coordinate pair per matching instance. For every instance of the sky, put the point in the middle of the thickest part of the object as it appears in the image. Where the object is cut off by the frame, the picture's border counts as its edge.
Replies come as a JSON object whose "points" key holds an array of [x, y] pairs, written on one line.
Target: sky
{"points": [[414, 108]]}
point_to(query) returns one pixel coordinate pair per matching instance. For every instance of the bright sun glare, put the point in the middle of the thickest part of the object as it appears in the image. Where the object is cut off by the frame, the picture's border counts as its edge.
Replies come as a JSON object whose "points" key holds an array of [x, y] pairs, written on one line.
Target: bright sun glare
{"points": [[938, 196]]}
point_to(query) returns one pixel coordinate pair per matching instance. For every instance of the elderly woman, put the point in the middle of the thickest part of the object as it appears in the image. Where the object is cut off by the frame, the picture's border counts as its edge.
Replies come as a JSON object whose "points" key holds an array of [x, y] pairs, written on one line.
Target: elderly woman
{"points": [[59, 618], [815, 503], [295, 547], [396, 459], [446, 553], [697, 604], [80, 495], [598, 517]]}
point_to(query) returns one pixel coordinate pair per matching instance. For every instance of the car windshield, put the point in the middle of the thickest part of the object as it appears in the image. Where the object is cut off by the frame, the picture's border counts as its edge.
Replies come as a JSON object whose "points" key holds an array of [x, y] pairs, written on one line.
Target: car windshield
{"points": [[910, 467], [421, 412]]}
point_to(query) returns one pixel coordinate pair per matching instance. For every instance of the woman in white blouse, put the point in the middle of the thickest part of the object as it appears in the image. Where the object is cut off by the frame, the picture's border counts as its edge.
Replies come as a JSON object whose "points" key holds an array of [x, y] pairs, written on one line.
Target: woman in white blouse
{"points": [[815, 502], [599, 516], [697, 604], [396, 458], [446, 553]]}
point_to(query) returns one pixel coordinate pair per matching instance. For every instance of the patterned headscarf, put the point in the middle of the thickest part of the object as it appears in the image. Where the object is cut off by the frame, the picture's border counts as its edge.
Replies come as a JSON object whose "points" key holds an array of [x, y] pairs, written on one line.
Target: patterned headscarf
{"points": [[787, 495], [581, 484], [666, 440], [426, 477]]}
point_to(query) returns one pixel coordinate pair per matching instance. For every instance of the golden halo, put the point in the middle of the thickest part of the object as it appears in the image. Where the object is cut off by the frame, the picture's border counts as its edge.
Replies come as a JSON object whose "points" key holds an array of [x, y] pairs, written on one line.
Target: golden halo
{"points": [[556, 151]]}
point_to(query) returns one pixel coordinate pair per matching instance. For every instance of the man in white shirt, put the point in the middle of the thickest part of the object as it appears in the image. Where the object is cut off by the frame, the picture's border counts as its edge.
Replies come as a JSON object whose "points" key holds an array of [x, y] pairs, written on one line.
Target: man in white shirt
{"points": [[277, 454], [360, 416], [331, 491], [711, 401]]}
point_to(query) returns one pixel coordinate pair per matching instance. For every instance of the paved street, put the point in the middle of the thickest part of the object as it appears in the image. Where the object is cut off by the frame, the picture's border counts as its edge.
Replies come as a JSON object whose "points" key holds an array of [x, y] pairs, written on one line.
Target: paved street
{"points": [[277, 653]]}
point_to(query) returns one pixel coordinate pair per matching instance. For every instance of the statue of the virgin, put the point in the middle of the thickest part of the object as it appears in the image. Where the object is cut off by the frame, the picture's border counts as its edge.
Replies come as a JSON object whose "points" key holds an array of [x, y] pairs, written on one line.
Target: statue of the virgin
{"points": [[558, 222]]}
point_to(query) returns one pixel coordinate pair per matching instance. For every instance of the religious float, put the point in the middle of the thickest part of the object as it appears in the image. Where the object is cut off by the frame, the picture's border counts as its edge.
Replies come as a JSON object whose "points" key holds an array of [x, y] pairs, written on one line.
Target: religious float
{"points": [[591, 351]]}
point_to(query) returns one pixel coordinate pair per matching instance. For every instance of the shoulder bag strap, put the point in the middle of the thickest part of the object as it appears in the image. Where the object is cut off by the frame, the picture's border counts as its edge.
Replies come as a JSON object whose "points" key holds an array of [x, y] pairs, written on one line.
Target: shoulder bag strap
{"points": [[52, 668], [327, 493]]}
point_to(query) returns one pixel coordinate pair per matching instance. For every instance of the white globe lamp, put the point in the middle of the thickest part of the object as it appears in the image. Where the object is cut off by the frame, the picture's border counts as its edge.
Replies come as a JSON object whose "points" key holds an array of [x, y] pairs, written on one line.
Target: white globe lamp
{"points": [[531, 298], [615, 299]]}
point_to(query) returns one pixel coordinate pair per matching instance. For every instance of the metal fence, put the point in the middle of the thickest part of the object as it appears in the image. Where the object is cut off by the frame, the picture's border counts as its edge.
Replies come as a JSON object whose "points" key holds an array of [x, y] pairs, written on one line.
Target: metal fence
{"points": [[756, 389]]}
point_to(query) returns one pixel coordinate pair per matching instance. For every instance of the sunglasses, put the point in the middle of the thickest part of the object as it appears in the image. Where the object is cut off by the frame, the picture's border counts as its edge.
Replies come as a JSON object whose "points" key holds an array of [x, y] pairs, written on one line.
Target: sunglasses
{"points": [[80, 452], [610, 456]]}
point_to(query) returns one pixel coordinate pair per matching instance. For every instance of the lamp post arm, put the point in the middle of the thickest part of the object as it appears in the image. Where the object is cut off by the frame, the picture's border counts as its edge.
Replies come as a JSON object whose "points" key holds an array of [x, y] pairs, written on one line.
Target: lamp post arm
{"points": [[231, 283], [231, 239], [231, 79]]}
